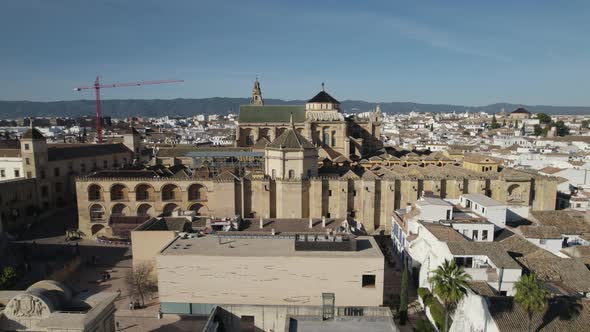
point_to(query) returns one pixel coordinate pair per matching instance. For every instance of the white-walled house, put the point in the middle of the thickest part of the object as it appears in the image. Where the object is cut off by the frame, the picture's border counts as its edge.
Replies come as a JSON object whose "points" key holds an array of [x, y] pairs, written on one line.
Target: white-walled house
{"points": [[474, 229], [487, 207], [484, 261], [545, 237], [11, 163], [434, 209]]}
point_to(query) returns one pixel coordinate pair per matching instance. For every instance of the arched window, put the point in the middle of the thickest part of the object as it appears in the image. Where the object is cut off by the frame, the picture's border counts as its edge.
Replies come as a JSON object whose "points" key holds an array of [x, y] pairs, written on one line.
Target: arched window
{"points": [[144, 192], [170, 192], [197, 192], [94, 193], [200, 209], [119, 210], [169, 208], [333, 138], [144, 210], [119, 192], [97, 213]]}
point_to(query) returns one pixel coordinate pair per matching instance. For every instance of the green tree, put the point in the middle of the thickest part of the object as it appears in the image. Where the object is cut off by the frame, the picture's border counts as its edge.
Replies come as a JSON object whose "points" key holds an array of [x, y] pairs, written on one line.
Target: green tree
{"points": [[403, 297], [531, 296], [585, 124], [561, 128], [449, 282], [495, 124], [7, 277], [538, 131], [544, 118]]}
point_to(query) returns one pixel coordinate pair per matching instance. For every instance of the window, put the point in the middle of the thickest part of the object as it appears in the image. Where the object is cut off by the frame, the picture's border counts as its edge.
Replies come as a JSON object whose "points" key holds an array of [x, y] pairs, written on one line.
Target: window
{"points": [[475, 234], [44, 191], [464, 261], [58, 187], [105, 164], [291, 174], [83, 167], [26, 146], [483, 210], [333, 138], [368, 281], [484, 235], [309, 173], [16, 173], [2, 173], [328, 215], [56, 171], [27, 161], [247, 324], [354, 193], [29, 175], [329, 192], [71, 167], [42, 173], [124, 161]]}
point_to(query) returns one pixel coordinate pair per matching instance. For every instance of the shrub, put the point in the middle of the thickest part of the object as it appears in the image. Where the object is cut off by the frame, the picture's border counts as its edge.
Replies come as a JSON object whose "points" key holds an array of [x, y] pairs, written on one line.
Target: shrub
{"points": [[423, 325], [436, 309], [423, 292], [438, 313]]}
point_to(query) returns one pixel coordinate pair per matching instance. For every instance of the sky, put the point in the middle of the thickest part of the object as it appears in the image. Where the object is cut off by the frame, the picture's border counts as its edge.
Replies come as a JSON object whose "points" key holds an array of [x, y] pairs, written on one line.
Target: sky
{"points": [[454, 52]]}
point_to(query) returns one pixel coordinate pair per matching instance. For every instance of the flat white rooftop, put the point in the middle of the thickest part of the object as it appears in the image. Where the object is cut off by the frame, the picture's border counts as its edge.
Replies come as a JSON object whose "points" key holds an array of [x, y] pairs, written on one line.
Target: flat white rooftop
{"points": [[261, 247], [424, 201], [482, 200]]}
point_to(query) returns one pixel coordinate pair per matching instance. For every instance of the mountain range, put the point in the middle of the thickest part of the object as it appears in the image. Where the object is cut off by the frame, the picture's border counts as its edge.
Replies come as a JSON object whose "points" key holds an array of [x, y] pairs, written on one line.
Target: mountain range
{"points": [[222, 105]]}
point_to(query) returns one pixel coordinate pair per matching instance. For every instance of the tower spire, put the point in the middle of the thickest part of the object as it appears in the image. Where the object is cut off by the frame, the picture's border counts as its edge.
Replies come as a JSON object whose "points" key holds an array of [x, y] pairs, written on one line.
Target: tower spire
{"points": [[291, 121], [256, 98]]}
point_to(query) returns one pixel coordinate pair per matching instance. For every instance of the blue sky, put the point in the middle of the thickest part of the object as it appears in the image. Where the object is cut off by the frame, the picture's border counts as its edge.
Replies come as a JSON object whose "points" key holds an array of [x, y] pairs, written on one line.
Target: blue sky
{"points": [[459, 52]]}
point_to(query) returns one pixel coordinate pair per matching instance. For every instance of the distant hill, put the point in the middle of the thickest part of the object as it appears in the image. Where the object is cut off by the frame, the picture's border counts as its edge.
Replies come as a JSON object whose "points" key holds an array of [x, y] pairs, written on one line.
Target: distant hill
{"points": [[221, 105]]}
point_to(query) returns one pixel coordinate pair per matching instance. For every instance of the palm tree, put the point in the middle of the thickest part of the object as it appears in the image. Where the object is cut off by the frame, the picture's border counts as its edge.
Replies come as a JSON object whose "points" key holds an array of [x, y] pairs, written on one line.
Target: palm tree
{"points": [[449, 282], [531, 296]]}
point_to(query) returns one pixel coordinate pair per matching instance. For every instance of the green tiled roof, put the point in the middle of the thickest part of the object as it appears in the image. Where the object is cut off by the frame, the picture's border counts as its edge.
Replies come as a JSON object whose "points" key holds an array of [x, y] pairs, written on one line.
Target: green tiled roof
{"points": [[271, 113]]}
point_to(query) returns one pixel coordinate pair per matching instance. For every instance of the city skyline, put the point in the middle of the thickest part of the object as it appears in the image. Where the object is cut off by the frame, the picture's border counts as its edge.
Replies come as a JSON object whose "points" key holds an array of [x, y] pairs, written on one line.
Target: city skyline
{"points": [[462, 53]]}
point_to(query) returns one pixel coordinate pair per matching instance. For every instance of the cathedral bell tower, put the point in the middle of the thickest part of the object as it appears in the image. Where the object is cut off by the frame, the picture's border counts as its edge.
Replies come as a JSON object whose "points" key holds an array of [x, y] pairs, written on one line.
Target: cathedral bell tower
{"points": [[256, 94]]}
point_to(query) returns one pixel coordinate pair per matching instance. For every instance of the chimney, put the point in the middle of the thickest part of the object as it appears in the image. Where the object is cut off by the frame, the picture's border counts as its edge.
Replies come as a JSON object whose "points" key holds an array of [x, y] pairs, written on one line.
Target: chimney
{"points": [[408, 207], [261, 223], [324, 221], [272, 231], [310, 223]]}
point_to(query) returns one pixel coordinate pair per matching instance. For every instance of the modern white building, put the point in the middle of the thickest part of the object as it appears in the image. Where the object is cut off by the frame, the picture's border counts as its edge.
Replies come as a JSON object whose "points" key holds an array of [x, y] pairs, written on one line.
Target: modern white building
{"points": [[487, 207], [434, 209]]}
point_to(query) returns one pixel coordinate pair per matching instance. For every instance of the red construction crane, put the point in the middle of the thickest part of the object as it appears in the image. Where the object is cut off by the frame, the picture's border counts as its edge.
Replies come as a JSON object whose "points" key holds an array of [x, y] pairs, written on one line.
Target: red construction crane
{"points": [[97, 86]]}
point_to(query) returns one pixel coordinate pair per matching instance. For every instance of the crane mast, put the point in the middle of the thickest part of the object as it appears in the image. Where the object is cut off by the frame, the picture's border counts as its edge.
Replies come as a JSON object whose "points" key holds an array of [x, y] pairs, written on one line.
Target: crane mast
{"points": [[97, 86]]}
